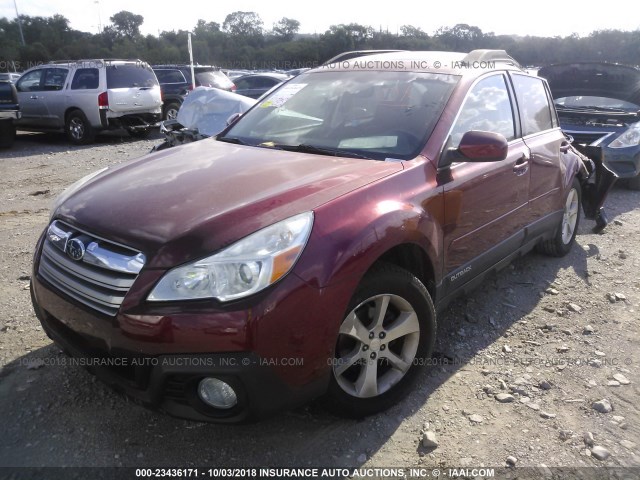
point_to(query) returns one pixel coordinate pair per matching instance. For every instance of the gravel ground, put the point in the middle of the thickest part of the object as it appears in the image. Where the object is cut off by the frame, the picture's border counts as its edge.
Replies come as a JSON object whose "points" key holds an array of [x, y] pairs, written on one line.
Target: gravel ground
{"points": [[537, 367]]}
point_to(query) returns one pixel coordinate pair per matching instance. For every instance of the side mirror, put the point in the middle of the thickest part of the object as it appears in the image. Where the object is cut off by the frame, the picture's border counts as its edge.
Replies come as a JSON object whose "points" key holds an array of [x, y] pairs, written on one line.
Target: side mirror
{"points": [[477, 146], [233, 118]]}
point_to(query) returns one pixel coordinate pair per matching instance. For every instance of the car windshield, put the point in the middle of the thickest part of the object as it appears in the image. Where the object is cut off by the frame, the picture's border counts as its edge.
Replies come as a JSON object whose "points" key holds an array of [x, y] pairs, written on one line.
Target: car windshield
{"points": [[130, 75], [370, 114], [603, 103]]}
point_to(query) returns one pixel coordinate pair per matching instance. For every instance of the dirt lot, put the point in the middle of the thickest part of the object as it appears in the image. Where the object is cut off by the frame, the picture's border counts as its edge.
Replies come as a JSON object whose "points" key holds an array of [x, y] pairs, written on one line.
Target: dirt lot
{"points": [[553, 336]]}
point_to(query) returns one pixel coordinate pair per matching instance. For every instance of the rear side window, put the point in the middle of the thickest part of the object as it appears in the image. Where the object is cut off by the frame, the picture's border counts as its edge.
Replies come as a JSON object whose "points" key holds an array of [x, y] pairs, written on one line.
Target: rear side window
{"points": [[534, 104], [170, 76], [130, 76], [487, 108], [86, 79]]}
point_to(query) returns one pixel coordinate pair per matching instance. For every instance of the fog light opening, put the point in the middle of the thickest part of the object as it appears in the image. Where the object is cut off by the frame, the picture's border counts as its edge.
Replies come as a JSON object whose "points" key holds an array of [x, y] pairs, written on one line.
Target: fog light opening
{"points": [[216, 393]]}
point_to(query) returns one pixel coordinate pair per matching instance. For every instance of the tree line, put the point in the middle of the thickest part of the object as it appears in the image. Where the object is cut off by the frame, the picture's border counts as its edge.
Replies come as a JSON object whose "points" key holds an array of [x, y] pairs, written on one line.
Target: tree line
{"points": [[243, 42]]}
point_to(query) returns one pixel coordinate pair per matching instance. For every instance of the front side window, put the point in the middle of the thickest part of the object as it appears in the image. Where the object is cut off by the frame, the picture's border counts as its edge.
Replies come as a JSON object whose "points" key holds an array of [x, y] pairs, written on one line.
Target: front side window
{"points": [[31, 82], [375, 114], [54, 78], [486, 108], [534, 104]]}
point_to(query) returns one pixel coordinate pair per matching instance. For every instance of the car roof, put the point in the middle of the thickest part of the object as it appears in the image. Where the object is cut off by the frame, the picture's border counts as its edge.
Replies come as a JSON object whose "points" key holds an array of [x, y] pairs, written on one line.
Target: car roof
{"points": [[473, 63]]}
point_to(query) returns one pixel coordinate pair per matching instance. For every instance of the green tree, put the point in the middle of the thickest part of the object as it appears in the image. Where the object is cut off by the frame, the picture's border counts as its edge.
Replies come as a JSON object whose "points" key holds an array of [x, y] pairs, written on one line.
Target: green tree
{"points": [[244, 24], [286, 28], [411, 31], [127, 24]]}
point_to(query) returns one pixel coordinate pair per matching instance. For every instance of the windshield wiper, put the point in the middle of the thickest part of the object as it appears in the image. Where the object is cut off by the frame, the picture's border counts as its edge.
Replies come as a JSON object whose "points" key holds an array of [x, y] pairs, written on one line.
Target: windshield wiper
{"points": [[235, 140], [305, 148]]}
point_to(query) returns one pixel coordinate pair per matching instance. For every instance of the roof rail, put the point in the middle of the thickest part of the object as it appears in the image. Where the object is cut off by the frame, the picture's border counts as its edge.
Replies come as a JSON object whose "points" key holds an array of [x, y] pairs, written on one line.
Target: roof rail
{"points": [[357, 53], [86, 60], [499, 56]]}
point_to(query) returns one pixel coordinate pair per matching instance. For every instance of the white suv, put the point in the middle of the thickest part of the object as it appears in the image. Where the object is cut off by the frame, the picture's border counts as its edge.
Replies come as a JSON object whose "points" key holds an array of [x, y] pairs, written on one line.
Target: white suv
{"points": [[86, 96]]}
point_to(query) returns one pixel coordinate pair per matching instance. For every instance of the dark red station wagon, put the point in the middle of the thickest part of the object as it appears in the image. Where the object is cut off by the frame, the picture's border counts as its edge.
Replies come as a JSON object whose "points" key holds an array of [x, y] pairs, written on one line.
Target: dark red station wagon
{"points": [[305, 251]]}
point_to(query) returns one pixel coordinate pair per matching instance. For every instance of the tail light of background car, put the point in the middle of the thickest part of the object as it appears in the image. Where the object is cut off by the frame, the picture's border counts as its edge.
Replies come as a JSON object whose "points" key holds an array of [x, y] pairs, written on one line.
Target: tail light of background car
{"points": [[103, 100]]}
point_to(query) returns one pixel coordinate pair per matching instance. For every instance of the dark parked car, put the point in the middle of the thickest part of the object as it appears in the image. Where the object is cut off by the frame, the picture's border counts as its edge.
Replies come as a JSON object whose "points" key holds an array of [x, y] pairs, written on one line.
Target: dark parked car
{"points": [[306, 249], [9, 112], [256, 84], [599, 104], [175, 83]]}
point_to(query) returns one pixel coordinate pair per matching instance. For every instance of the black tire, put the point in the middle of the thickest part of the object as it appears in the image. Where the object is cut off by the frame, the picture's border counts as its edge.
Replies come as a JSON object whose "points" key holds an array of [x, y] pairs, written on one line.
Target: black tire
{"points": [[140, 133], [170, 111], [565, 237], [349, 394], [7, 133], [78, 129], [634, 183]]}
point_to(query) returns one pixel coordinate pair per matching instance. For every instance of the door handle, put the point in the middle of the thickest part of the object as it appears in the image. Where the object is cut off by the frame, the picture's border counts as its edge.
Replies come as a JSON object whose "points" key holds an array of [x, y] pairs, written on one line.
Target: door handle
{"points": [[522, 165]]}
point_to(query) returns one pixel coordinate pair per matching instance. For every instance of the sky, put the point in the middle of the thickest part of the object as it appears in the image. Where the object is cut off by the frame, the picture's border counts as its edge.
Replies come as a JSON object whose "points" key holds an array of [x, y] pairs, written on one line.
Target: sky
{"points": [[541, 18]]}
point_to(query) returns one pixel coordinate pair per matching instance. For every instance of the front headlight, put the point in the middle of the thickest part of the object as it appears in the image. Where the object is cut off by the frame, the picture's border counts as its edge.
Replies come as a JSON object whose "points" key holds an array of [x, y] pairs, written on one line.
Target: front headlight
{"points": [[630, 138], [73, 188], [244, 268]]}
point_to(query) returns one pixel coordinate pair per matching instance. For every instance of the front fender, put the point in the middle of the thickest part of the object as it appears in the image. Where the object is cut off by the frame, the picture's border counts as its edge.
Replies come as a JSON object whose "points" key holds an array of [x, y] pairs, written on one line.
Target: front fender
{"points": [[352, 232]]}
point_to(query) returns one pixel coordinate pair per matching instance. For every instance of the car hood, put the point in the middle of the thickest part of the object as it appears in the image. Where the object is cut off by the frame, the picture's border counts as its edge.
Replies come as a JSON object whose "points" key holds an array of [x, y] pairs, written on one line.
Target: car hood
{"points": [[187, 202], [593, 79]]}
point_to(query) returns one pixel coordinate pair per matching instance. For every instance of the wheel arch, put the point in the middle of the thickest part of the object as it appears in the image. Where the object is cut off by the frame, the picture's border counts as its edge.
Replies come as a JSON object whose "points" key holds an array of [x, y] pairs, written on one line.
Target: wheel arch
{"points": [[414, 259]]}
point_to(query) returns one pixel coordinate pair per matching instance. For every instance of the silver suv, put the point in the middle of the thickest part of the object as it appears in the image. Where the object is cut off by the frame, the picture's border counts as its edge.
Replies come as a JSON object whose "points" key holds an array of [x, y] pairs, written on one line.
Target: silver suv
{"points": [[84, 97]]}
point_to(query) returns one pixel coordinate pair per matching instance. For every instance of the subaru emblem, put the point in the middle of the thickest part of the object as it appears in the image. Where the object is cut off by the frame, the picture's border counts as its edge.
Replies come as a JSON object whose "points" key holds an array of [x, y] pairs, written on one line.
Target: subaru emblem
{"points": [[75, 249]]}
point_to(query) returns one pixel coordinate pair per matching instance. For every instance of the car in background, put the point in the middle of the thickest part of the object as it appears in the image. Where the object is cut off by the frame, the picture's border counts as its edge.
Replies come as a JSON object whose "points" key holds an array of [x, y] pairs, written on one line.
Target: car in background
{"points": [[84, 97], [305, 249], [599, 105], [175, 83], [256, 84], [9, 113], [296, 71], [204, 113], [232, 74], [11, 77]]}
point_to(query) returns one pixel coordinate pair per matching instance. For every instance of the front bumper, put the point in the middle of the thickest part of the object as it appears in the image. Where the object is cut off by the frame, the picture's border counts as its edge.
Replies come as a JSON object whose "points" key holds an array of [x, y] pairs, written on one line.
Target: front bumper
{"points": [[169, 381], [274, 356], [625, 162]]}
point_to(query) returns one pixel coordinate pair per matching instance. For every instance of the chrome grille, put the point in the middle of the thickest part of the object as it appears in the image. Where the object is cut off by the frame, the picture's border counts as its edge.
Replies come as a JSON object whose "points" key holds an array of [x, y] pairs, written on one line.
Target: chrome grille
{"points": [[94, 271]]}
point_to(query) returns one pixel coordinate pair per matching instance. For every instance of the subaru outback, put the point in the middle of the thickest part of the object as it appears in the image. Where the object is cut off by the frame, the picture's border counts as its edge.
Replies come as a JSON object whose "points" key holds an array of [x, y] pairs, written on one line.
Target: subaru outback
{"points": [[305, 251]]}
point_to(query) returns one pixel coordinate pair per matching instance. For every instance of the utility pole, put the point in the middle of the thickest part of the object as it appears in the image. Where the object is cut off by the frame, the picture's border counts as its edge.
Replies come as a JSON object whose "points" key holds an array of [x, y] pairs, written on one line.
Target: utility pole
{"points": [[19, 23], [97, 2], [193, 75]]}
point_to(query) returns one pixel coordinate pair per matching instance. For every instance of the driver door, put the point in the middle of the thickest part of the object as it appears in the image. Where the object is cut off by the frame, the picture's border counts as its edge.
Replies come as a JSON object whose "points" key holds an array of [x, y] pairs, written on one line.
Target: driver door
{"points": [[485, 203]]}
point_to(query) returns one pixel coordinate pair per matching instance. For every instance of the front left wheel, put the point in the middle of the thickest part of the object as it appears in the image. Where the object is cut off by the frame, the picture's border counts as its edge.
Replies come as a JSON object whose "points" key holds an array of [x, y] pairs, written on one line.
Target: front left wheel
{"points": [[387, 334]]}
